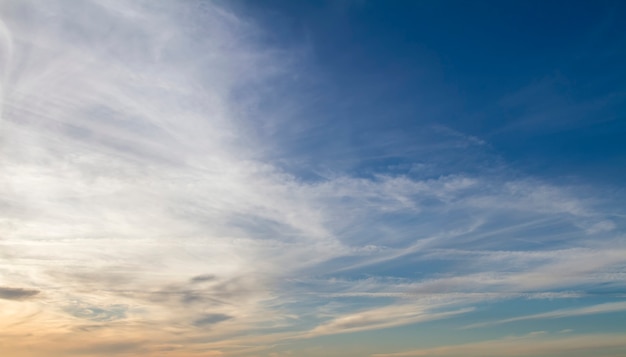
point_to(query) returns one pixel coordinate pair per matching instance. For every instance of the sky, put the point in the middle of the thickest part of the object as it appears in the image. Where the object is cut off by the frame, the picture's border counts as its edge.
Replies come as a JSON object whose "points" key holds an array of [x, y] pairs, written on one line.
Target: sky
{"points": [[312, 178]]}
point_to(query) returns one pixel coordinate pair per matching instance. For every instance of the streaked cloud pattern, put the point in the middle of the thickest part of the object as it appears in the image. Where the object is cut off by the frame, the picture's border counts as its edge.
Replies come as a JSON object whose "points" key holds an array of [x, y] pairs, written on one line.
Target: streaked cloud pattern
{"points": [[158, 199]]}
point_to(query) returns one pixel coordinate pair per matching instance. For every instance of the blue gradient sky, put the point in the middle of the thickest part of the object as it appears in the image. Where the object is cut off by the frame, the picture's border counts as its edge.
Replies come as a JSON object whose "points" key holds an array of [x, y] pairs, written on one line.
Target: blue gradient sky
{"points": [[312, 178]]}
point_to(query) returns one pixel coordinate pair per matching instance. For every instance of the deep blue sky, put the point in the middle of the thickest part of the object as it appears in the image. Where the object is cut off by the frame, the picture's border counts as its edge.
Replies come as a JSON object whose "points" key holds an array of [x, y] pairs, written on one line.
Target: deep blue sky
{"points": [[542, 82]]}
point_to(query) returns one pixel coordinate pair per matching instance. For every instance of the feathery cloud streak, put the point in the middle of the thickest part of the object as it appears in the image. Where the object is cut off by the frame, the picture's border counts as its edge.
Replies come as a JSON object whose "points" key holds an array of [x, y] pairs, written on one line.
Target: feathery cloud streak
{"points": [[143, 201]]}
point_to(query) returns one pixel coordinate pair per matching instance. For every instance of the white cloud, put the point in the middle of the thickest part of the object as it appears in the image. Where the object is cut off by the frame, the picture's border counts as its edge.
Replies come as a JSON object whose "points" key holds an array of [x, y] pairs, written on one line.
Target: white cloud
{"points": [[133, 158], [390, 316], [587, 310]]}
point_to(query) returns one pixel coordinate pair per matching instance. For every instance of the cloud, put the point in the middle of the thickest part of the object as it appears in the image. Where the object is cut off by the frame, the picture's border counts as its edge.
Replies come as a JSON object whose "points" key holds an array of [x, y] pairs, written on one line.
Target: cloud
{"points": [[211, 319], [9, 293], [106, 349], [533, 344], [97, 313], [203, 278], [139, 150], [391, 316], [587, 310]]}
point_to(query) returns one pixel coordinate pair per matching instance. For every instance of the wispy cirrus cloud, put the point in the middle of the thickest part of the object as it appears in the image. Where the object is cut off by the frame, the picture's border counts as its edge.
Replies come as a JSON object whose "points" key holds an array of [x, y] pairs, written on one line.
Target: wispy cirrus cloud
{"points": [[145, 192], [390, 316], [537, 343], [587, 310]]}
